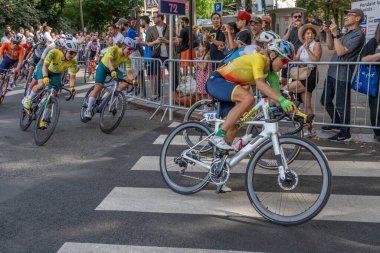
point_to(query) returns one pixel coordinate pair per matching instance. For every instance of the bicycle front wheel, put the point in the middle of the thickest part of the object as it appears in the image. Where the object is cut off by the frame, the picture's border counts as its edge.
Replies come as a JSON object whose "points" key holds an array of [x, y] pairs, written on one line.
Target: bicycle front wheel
{"points": [[46, 122], [181, 174], [3, 88], [196, 111], [26, 118], [301, 195], [85, 105], [112, 112]]}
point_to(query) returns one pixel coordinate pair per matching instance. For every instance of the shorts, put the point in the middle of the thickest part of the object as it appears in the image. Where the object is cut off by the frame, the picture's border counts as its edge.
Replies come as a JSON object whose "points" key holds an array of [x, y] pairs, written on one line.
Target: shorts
{"points": [[7, 63], [221, 89], [34, 61], [284, 72], [152, 67], [92, 54], [55, 78], [102, 72], [312, 81], [185, 55]]}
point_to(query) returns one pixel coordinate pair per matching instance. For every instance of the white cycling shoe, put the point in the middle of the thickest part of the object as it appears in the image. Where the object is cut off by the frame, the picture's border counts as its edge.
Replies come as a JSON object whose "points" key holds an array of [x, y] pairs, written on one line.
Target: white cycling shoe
{"points": [[87, 114], [220, 143]]}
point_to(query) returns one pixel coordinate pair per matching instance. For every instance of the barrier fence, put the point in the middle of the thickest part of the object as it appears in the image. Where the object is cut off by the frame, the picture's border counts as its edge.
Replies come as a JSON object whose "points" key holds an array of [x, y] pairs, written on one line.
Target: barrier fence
{"points": [[174, 85]]}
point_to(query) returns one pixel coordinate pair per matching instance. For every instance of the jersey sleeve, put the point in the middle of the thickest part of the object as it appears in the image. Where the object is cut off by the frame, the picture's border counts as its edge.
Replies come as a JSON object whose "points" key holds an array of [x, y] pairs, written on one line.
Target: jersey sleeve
{"points": [[112, 52], [3, 48], [128, 64], [258, 67], [73, 68], [50, 56], [20, 53]]}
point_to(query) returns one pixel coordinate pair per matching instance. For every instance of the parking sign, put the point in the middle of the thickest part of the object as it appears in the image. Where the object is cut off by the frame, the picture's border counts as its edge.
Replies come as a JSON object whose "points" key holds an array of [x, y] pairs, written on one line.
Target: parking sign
{"points": [[218, 7]]}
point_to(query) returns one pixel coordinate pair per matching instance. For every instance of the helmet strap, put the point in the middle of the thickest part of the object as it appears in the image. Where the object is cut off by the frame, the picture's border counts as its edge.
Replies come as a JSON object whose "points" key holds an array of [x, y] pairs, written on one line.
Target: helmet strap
{"points": [[271, 62]]}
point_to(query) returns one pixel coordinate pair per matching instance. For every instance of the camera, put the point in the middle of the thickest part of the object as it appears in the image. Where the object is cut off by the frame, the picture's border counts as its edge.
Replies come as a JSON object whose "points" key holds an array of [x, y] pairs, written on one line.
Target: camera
{"points": [[328, 23]]}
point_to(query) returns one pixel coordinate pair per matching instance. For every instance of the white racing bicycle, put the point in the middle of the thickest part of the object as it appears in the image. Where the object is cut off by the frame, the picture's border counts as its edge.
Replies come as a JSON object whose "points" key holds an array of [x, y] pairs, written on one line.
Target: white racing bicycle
{"points": [[292, 194]]}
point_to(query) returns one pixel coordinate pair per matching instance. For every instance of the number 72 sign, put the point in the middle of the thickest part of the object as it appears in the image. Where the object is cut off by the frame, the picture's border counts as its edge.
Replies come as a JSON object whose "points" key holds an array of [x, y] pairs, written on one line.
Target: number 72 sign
{"points": [[174, 7]]}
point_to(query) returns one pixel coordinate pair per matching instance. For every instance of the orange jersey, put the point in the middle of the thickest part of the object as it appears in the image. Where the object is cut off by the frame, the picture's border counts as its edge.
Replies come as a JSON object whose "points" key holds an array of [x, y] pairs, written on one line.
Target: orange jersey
{"points": [[14, 54]]}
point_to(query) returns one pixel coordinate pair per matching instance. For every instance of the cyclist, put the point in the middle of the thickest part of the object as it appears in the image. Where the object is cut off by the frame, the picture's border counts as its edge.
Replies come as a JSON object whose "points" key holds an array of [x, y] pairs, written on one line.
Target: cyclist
{"points": [[35, 54], [109, 64], [28, 45], [93, 47], [14, 54], [50, 72], [227, 84]]}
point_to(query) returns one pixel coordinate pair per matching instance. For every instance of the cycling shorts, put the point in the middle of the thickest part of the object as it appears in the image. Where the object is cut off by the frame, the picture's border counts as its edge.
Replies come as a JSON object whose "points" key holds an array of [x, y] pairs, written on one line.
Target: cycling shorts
{"points": [[223, 90], [34, 61], [7, 63], [92, 54], [102, 72], [56, 78]]}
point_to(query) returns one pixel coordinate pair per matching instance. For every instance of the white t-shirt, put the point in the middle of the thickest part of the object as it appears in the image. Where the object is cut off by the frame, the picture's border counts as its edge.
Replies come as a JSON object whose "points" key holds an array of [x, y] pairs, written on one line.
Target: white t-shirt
{"points": [[164, 51], [305, 56], [119, 37], [5, 39], [49, 39], [93, 47], [46, 51]]}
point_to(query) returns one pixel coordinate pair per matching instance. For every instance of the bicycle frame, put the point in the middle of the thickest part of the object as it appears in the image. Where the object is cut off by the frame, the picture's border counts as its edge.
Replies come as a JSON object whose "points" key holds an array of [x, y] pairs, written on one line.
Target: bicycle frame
{"points": [[115, 85]]}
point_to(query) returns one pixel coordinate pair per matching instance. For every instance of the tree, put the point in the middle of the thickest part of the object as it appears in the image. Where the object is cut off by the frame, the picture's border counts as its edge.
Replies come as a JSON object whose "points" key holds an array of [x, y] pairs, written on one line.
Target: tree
{"points": [[204, 8]]}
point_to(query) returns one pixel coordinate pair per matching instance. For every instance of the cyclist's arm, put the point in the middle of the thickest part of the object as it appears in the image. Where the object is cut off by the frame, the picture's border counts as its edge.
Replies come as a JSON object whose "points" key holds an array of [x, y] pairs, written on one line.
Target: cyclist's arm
{"points": [[110, 65], [72, 80], [73, 71], [20, 58], [264, 88], [45, 68]]}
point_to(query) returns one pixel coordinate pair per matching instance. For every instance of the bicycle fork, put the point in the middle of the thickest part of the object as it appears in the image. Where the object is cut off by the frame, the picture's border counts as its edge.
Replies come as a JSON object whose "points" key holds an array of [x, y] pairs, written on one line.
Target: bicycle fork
{"points": [[280, 156]]}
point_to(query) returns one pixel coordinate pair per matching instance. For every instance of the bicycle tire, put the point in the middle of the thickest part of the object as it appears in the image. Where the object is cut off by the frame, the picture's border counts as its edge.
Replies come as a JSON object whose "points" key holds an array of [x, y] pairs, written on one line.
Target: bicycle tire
{"points": [[3, 88], [28, 80], [168, 150], [84, 106], [51, 126], [103, 119], [26, 119], [197, 110], [85, 72], [272, 184]]}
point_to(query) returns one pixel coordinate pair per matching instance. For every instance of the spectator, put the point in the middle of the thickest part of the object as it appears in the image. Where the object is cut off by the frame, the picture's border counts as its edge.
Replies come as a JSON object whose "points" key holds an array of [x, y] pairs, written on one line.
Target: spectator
{"points": [[148, 64], [40, 32], [184, 44], [347, 49], [125, 28], [31, 32], [7, 37], [230, 30], [8, 28], [204, 70], [310, 51], [256, 28], [291, 34], [244, 36], [267, 22], [371, 53], [216, 38], [22, 32], [114, 34], [198, 35], [47, 35]]}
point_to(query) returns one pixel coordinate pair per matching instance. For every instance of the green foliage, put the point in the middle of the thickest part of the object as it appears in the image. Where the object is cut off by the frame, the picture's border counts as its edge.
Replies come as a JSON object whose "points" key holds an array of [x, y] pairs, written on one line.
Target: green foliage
{"points": [[204, 8]]}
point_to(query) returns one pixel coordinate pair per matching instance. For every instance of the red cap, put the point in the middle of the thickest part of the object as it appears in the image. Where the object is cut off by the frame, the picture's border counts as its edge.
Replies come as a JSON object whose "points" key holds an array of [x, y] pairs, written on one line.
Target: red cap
{"points": [[267, 19], [243, 15]]}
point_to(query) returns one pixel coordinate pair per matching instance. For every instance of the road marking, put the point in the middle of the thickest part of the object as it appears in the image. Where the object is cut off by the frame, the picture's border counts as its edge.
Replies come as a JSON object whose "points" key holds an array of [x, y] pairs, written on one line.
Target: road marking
{"points": [[21, 91], [174, 124], [349, 208], [179, 140], [73, 247], [338, 168]]}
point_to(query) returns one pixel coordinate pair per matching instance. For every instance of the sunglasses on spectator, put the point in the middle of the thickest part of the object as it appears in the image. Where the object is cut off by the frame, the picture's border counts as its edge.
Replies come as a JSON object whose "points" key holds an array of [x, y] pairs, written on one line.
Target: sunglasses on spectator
{"points": [[297, 16], [350, 14]]}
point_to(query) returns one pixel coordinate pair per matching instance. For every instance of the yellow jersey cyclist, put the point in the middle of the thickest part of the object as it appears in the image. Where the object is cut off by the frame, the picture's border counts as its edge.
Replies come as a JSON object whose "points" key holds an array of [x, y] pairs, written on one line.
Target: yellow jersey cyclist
{"points": [[109, 65], [227, 84], [50, 72]]}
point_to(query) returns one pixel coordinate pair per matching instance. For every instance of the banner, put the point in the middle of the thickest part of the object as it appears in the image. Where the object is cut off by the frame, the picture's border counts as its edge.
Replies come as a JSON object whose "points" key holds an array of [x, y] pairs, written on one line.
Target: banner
{"points": [[371, 9]]}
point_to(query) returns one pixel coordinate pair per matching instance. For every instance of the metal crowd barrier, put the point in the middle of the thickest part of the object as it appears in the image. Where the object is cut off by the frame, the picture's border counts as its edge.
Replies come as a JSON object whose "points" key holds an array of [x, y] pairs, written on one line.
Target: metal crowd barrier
{"points": [[333, 100]]}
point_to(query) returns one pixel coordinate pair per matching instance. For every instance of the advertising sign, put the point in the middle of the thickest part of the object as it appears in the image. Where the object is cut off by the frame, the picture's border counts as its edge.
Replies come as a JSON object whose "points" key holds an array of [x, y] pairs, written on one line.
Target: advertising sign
{"points": [[371, 9], [173, 7]]}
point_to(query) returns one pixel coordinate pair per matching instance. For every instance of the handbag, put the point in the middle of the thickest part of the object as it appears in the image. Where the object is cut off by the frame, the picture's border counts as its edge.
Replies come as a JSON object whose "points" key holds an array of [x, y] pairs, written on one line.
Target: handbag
{"points": [[366, 80], [156, 49], [300, 73]]}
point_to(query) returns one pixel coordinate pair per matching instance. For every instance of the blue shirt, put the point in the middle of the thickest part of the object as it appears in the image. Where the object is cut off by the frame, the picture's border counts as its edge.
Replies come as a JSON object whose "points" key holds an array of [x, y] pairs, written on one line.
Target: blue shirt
{"points": [[131, 34], [147, 49]]}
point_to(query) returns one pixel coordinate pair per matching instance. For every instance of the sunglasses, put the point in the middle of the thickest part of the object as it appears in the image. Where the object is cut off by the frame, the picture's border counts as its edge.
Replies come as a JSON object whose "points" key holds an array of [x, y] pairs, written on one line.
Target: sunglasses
{"points": [[15, 43], [72, 53], [282, 58], [297, 16]]}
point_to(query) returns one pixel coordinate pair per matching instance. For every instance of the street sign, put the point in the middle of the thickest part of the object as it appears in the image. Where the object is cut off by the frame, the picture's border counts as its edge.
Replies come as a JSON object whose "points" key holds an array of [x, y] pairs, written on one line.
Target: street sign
{"points": [[218, 7], [173, 7]]}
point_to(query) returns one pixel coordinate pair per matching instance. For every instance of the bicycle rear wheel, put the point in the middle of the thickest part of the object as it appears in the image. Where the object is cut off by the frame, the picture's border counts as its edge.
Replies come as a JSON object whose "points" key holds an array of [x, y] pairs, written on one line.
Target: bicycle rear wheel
{"points": [[50, 116], [179, 173], [112, 112], [196, 111], [298, 198], [26, 119]]}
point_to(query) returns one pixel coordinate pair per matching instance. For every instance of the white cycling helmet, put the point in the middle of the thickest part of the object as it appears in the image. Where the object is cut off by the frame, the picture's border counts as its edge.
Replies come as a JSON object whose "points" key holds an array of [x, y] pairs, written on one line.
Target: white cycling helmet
{"points": [[129, 42], [69, 37], [283, 48], [17, 38], [60, 43], [72, 46], [42, 39], [268, 36], [29, 40]]}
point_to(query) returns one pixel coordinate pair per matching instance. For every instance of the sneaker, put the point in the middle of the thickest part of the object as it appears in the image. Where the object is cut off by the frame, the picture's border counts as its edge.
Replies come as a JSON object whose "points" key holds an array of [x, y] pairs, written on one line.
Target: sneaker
{"points": [[309, 133], [219, 142], [87, 114], [341, 137], [26, 102], [223, 189], [330, 129]]}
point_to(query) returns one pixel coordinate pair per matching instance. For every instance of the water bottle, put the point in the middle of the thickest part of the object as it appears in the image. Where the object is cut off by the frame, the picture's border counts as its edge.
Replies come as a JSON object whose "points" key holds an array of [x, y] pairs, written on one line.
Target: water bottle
{"points": [[242, 142]]}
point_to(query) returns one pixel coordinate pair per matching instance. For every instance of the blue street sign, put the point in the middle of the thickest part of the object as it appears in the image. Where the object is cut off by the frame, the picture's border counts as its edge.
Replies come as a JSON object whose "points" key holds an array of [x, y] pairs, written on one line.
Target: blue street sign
{"points": [[173, 7], [218, 7]]}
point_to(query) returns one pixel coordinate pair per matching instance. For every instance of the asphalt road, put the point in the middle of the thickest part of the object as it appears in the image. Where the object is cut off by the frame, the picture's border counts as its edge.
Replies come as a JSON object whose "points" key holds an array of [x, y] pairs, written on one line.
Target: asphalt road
{"points": [[85, 191]]}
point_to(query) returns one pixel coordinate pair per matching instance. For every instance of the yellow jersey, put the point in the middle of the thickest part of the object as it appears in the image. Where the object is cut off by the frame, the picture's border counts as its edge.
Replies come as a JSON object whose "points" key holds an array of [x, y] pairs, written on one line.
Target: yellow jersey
{"points": [[56, 65], [245, 69], [117, 59]]}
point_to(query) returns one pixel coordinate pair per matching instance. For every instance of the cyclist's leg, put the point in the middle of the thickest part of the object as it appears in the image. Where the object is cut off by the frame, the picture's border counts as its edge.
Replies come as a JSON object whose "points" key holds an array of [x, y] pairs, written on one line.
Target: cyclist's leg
{"points": [[100, 77]]}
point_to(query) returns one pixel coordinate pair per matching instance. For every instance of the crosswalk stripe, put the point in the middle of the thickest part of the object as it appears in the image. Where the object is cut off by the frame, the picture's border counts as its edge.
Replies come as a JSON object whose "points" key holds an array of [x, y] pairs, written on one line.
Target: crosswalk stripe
{"points": [[349, 208], [174, 124], [338, 168], [178, 140], [73, 247], [20, 91]]}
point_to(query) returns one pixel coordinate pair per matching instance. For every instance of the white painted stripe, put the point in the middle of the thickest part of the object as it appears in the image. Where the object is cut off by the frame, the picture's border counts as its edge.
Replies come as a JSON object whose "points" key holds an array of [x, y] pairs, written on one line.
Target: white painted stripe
{"points": [[156, 200], [338, 168], [175, 124], [73, 247], [178, 140], [16, 92]]}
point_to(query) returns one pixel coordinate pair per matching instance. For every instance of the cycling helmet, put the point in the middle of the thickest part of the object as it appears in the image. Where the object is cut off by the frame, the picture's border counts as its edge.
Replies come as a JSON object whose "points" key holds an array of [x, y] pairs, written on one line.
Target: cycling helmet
{"points": [[69, 37], [60, 43], [17, 38], [29, 40], [283, 48], [72, 46], [267, 36], [42, 39], [128, 42]]}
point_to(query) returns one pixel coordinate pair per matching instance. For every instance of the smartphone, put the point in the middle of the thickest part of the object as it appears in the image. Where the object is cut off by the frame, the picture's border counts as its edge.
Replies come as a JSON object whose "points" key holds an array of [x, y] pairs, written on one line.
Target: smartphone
{"points": [[328, 23]]}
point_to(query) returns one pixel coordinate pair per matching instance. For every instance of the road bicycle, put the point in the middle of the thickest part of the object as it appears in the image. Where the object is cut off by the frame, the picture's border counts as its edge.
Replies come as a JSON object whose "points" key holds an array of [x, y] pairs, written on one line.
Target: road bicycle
{"points": [[292, 194], [111, 104], [89, 71], [207, 111], [45, 110], [5, 80], [29, 78]]}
